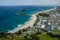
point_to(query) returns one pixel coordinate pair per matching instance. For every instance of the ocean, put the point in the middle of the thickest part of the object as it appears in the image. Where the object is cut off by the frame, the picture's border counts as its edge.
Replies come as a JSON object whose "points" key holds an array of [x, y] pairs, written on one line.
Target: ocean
{"points": [[11, 16]]}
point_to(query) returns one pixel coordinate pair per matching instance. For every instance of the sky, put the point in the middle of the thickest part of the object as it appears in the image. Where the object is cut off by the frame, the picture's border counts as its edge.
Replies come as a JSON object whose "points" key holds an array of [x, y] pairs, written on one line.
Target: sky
{"points": [[29, 2]]}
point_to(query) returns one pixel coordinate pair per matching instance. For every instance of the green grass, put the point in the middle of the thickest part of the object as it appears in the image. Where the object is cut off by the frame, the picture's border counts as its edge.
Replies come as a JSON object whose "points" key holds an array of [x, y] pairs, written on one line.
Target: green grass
{"points": [[56, 32], [3, 39], [45, 37]]}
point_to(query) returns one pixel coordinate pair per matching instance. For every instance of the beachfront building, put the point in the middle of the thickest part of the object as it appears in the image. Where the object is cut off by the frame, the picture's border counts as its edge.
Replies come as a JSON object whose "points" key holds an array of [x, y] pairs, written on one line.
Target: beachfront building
{"points": [[49, 27], [40, 24], [51, 21], [55, 18]]}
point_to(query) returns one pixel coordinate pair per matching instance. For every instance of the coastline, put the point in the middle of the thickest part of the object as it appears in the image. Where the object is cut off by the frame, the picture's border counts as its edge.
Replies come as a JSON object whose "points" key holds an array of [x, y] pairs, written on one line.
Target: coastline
{"points": [[28, 23], [46, 11]]}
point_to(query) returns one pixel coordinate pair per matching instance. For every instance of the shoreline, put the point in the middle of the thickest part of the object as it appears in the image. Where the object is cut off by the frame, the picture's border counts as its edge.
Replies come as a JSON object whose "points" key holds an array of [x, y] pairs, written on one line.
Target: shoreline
{"points": [[46, 10], [25, 25], [28, 23]]}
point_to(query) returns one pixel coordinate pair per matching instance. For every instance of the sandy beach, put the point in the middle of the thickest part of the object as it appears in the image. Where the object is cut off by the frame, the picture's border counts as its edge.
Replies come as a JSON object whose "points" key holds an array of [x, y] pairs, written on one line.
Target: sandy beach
{"points": [[28, 23]]}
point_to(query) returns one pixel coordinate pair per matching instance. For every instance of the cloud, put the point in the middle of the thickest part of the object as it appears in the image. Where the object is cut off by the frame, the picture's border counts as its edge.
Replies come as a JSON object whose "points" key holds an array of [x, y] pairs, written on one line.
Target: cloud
{"points": [[31, 2], [44, 2]]}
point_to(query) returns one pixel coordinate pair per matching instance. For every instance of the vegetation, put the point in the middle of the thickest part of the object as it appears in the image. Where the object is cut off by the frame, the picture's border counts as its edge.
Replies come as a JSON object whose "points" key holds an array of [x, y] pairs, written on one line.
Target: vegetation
{"points": [[56, 32], [43, 15], [37, 36], [58, 23], [36, 21], [45, 37], [40, 14]]}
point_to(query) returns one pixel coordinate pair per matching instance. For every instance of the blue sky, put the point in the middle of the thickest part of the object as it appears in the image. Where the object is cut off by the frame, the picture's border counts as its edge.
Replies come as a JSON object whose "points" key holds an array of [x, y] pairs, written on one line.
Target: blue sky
{"points": [[30, 2]]}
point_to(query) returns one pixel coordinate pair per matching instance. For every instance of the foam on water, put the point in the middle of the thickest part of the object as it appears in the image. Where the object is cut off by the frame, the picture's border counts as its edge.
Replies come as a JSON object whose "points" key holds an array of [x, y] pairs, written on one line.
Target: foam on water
{"points": [[19, 27]]}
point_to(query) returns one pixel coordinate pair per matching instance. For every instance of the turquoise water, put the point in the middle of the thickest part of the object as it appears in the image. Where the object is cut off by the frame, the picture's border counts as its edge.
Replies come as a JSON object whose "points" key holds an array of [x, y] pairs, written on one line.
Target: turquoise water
{"points": [[9, 18]]}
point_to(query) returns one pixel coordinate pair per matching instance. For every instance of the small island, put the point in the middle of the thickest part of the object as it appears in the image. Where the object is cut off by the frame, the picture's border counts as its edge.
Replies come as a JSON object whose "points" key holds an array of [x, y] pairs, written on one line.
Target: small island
{"points": [[23, 13]]}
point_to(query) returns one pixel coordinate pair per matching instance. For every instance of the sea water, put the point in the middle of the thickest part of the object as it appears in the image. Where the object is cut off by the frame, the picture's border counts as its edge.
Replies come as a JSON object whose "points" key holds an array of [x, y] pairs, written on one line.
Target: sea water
{"points": [[10, 20]]}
